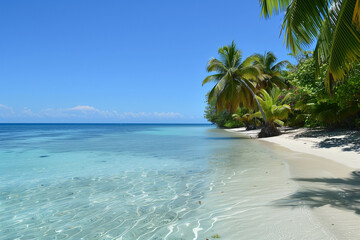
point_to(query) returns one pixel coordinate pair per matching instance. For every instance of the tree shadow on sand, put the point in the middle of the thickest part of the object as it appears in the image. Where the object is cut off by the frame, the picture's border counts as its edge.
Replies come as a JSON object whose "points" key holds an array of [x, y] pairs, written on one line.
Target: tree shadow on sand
{"points": [[349, 140], [342, 193]]}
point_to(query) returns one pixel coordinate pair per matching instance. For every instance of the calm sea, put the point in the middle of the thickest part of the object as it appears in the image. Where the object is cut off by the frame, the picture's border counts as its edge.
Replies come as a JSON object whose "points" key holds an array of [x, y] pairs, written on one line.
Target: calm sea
{"points": [[123, 181]]}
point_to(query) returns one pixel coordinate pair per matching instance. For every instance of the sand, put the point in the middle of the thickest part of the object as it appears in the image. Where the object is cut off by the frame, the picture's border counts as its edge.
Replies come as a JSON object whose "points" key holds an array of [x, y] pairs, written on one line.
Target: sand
{"points": [[339, 146], [325, 166]]}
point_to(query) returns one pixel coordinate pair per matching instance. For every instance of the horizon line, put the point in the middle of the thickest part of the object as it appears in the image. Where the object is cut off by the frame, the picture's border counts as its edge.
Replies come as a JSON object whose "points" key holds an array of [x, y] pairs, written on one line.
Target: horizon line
{"points": [[97, 123]]}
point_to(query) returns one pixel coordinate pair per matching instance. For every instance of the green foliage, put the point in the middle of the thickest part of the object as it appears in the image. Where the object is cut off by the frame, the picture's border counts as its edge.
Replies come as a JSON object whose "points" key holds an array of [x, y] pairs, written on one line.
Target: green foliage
{"points": [[222, 119], [348, 93], [306, 102], [305, 88], [313, 106], [271, 71], [210, 113], [304, 81], [246, 118], [233, 79], [333, 24], [273, 106], [233, 124]]}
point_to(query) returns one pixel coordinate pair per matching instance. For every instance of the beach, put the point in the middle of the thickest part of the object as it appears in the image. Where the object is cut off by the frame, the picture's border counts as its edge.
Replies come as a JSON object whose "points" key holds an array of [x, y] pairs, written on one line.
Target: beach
{"points": [[325, 166]]}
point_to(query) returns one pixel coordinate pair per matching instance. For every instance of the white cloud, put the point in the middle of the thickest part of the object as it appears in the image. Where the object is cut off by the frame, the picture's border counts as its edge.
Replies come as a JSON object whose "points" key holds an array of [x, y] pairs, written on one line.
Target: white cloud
{"points": [[168, 114], [84, 108], [151, 115], [29, 112], [6, 111], [87, 113], [4, 107]]}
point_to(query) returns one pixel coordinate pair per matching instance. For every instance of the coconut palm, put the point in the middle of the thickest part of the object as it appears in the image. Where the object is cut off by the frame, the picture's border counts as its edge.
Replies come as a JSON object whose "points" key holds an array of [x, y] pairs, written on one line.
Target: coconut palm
{"points": [[271, 71], [304, 20], [234, 80], [274, 111]]}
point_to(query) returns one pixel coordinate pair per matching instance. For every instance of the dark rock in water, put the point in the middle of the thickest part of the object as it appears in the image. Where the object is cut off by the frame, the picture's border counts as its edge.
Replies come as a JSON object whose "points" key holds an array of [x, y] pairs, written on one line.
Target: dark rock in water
{"points": [[44, 156]]}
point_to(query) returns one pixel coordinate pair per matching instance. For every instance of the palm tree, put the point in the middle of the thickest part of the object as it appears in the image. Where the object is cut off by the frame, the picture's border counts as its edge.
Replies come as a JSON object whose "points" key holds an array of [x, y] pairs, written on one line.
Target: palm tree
{"points": [[234, 80], [271, 71], [274, 110], [334, 23]]}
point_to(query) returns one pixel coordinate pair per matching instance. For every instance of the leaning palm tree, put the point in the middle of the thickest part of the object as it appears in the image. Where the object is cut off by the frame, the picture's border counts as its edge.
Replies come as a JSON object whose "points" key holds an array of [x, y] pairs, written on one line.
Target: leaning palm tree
{"points": [[271, 71], [234, 80], [275, 111], [338, 21]]}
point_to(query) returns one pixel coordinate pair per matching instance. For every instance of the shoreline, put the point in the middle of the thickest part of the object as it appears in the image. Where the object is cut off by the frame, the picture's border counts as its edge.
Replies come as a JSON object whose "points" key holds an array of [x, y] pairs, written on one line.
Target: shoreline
{"points": [[338, 146], [327, 175]]}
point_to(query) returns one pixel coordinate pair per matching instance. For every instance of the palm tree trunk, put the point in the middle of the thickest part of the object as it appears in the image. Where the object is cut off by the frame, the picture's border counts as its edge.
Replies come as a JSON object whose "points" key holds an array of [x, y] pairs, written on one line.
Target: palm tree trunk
{"points": [[257, 101], [269, 130]]}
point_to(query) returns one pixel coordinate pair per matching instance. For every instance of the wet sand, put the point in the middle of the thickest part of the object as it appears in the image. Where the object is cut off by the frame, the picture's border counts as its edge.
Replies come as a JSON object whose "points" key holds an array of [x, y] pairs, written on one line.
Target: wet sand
{"points": [[325, 167]]}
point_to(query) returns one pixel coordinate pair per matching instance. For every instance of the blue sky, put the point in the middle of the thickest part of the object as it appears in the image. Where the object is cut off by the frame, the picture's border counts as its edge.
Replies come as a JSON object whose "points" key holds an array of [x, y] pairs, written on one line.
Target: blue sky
{"points": [[119, 61]]}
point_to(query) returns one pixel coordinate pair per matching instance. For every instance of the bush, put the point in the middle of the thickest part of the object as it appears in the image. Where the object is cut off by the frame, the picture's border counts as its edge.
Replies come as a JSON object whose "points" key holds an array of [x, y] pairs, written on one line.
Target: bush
{"points": [[223, 119], [233, 124]]}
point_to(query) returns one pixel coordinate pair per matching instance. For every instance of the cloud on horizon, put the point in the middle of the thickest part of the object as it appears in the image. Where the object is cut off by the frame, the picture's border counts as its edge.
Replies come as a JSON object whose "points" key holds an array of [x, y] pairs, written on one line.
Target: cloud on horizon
{"points": [[86, 113], [6, 111], [83, 108]]}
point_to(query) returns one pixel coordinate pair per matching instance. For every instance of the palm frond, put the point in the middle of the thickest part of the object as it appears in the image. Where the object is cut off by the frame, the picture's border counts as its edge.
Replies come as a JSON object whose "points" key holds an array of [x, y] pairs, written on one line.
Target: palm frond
{"points": [[285, 98], [356, 15], [212, 78], [323, 44], [279, 82], [270, 59], [302, 23], [257, 58], [345, 47], [268, 102], [249, 72], [212, 94], [279, 122], [271, 7], [215, 65], [248, 61], [278, 66]]}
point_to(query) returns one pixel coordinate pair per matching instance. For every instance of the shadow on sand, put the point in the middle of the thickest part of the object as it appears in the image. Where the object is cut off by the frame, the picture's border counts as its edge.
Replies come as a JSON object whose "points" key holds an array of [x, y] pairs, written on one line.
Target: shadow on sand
{"points": [[348, 140], [342, 193]]}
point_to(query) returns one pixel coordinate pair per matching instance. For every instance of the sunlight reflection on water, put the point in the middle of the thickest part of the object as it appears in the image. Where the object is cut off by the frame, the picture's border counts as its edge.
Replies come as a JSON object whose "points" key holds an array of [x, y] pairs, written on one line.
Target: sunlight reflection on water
{"points": [[137, 182]]}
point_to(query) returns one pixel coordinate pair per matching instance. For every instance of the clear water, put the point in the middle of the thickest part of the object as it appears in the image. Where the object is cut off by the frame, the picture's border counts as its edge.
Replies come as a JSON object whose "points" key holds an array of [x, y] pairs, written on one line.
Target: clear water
{"points": [[68, 181]]}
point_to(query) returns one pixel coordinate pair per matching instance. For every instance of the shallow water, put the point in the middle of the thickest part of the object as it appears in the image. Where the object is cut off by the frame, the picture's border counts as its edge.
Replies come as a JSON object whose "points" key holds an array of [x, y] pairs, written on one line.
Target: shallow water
{"points": [[102, 181]]}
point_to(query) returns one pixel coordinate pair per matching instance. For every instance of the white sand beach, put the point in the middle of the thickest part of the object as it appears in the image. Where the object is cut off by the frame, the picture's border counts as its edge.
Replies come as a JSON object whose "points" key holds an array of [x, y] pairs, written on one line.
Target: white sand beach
{"points": [[339, 146], [325, 166]]}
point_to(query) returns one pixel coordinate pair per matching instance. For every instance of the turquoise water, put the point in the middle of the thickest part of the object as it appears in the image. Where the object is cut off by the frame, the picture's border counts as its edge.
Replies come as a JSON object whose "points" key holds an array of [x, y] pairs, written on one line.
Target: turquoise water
{"points": [[102, 181]]}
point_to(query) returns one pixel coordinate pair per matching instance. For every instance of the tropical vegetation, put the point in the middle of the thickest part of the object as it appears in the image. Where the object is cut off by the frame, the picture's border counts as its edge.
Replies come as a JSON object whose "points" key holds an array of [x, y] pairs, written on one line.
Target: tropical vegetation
{"points": [[322, 89], [274, 109], [333, 24], [239, 86]]}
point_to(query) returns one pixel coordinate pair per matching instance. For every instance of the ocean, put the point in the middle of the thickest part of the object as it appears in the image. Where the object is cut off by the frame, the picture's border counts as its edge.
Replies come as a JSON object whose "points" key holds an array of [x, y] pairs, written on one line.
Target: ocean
{"points": [[144, 181]]}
